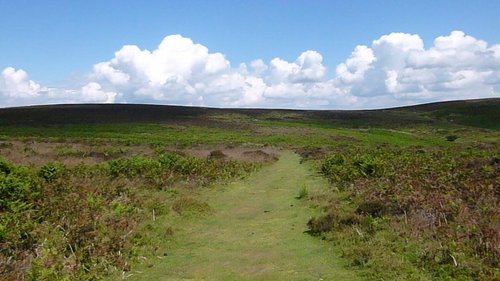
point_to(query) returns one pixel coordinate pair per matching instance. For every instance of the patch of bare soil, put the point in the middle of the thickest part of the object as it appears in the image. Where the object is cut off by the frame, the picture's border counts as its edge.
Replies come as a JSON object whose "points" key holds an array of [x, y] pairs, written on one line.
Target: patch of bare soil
{"points": [[311, 153], [253, 153], [69, 153], [73, 153]]}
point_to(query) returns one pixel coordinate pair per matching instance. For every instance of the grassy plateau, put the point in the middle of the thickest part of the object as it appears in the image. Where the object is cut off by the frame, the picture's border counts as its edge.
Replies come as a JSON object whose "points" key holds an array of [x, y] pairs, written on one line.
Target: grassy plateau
{"points": [[145, 192]]}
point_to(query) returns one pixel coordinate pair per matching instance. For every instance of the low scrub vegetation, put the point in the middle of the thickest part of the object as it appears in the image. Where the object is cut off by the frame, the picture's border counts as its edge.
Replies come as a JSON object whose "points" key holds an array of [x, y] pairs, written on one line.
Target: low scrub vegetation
{"points": [[415, 213], [414, 192], [81, 222]]}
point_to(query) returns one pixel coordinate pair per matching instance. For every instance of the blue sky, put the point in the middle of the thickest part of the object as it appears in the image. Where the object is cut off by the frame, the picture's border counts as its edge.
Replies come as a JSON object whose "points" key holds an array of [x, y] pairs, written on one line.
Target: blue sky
{"points": [[58, 42]]}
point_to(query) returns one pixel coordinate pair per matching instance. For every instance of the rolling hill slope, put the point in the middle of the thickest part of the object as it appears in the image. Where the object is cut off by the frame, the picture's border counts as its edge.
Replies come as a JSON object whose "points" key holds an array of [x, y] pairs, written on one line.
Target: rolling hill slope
{"points": [[483, 113]]}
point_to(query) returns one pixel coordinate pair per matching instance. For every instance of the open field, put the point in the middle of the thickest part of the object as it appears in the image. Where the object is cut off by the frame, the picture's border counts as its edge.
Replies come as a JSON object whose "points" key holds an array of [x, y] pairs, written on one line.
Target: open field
{"points": [[255, 233], [173, 193]]}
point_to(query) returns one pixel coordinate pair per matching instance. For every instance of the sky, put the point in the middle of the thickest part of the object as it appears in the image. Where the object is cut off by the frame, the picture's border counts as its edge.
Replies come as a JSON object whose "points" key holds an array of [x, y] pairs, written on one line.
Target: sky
{"points": [[273, 54]]}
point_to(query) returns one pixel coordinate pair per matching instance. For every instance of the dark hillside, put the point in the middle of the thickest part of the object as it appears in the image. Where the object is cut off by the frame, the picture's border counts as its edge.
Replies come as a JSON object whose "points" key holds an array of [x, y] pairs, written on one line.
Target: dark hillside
{"points": [[484, 113], [94, 113], [125, 113]]}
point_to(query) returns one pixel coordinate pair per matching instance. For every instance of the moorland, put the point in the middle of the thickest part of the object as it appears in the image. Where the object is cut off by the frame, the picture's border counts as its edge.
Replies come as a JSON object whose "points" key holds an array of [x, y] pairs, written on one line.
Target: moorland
{"points": [[144, 192]]}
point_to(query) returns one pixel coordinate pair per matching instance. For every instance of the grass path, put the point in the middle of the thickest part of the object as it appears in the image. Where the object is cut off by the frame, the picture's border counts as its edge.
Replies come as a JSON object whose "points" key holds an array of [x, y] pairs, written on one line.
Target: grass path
{"points": [[255, 233]]}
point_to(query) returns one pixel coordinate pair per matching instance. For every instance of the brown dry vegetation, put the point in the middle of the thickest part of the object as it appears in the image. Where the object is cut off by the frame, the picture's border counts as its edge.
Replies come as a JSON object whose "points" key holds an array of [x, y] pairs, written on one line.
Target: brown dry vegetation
{"points": [[433, 208], [72, 153], [250, 153], [78, 216], [414, 195]]}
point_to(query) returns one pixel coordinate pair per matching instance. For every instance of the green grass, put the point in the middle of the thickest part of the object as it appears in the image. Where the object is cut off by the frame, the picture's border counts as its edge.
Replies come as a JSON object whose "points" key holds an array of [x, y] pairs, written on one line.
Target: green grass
{"points": [[84, 221], [475, 113], [275, 132], [418, 213], [177, 218], [256, 232]]}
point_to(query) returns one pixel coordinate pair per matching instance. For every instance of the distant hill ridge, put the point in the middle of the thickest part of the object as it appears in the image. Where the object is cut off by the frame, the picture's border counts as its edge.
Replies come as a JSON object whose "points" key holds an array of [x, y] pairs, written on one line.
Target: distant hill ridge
{"points": [[483, 113]]}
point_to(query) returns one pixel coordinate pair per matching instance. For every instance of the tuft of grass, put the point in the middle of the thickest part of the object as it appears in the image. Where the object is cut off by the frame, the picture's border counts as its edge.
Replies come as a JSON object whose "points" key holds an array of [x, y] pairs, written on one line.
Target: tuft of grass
{"points": [[217, 154], [66, 150], [5, 145], [451, 138], [303, 192], [191, 206]]}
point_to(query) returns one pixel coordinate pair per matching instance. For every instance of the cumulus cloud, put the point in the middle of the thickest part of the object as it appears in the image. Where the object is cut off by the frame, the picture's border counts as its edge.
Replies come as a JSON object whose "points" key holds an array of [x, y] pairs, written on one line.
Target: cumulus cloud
{"points": [[395, 69], [401, 71], [176, 59], [307, 68], [16, 84], [93, 92], [258, 66], [354, 68], [106, 71], [16, 89]]}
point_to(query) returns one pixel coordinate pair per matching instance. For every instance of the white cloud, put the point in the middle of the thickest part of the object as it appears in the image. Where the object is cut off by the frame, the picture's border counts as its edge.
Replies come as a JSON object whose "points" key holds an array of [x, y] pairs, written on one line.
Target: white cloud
{"points": [[258, 66], [457, 66], [16, 84], [457, 50], [354, 68], [92, 92], [17, 89], [307, 68], [396, 69], [176, 59], [106, 71]]}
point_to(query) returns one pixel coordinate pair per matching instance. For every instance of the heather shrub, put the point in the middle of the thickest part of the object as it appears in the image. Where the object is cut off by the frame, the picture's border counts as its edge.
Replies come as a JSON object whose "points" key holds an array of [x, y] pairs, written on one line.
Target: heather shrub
{"points": [[76, 223], [446, 196]]}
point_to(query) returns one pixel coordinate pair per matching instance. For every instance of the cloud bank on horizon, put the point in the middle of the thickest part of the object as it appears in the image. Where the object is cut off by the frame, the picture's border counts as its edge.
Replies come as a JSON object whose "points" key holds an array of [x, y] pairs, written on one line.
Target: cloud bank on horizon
{"points": [[396, 69]]}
